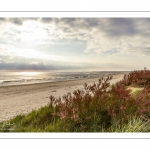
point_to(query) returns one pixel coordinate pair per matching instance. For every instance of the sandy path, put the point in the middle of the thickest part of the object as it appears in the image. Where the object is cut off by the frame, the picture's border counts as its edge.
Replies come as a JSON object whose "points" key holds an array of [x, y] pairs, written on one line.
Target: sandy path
{"points": [[21, 99]]}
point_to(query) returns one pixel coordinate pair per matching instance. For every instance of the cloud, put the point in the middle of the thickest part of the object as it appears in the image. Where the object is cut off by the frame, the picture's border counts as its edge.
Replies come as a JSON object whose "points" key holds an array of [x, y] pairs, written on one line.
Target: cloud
{"points": [[39, 66], [46, 20], [105, 35], [2, 19], [16, 21], [118, 27], [61, 36]]}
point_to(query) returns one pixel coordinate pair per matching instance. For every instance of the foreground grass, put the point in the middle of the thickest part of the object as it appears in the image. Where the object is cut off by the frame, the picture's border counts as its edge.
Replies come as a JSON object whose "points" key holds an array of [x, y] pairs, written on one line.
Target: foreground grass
{"points": [[43, 120], [99, 108]]}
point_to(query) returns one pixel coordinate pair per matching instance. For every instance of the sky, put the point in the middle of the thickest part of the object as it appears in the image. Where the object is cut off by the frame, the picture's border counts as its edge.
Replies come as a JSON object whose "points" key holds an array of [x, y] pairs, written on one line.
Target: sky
{"points": [[105, 44]]}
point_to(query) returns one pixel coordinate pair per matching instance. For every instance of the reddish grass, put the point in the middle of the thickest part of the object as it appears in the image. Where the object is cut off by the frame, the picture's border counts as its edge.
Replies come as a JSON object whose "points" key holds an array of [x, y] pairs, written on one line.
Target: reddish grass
{"points": [[99, 103], [139, 78]]}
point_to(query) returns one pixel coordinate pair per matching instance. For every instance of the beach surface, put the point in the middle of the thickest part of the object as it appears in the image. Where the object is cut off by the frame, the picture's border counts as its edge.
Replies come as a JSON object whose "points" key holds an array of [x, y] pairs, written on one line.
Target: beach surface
{"points": [[22, 99]]}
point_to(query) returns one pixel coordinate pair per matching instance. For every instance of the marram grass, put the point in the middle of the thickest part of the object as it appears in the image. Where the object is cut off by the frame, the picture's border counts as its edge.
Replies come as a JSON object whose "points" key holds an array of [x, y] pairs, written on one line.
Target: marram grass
{"points": [[136, 124]]}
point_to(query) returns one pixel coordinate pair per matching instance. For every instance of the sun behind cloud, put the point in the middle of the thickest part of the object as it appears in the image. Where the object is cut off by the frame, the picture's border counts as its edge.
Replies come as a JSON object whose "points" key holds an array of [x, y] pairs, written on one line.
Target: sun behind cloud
{"points": [[85, 43]]}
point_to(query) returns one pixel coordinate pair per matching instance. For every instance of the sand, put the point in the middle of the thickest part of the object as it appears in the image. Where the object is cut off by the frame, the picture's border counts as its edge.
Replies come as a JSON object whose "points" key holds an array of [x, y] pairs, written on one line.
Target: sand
{"points": [[22, 99]]}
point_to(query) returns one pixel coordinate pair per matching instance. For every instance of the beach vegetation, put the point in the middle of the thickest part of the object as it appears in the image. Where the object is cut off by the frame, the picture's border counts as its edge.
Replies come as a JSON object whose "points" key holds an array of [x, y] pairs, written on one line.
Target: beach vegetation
{"points": [[101, 107]]}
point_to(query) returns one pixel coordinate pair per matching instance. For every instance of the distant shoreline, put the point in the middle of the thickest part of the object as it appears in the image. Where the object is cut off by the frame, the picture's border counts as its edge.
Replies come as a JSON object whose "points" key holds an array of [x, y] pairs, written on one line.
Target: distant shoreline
{"points": [[24, 78], [23, 98], [47, 82]]}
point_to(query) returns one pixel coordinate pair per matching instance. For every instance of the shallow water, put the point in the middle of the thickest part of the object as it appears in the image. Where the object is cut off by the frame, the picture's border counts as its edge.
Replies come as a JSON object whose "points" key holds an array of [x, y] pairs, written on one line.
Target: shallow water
{"points": [[27, 77]]}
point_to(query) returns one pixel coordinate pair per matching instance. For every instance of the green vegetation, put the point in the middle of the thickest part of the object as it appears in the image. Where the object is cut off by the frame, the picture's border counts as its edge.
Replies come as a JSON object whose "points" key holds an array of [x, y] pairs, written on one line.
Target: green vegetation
{"points": [[122, 107]]}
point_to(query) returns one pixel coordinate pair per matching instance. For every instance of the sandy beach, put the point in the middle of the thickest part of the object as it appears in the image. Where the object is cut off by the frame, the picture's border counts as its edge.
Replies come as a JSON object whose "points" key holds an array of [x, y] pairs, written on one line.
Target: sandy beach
{"points": [[22, 99]]}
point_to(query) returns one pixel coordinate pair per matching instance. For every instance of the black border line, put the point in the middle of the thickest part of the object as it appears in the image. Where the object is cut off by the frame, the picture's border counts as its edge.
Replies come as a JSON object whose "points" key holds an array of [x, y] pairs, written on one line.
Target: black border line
{"points": [[50, 132]]}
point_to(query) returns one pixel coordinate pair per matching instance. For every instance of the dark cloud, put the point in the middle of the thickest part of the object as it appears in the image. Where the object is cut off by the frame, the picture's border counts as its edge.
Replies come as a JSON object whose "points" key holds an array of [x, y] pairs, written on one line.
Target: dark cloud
{"points": [[121, 27], [21, 66], [111, 27], [40, 66], [19, 21], [2, 19], [80, 23], [71, 22], [92, 22], [16, 21], [46, 20]]}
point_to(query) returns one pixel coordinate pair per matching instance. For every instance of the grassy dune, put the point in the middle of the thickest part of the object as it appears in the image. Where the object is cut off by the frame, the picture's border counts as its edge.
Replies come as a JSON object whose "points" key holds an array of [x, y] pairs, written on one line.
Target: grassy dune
{"points": [[122, 107]]}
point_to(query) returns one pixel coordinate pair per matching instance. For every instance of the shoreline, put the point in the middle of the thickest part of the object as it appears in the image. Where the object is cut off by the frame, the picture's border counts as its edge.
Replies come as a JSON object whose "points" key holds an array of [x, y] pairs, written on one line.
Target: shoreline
{"points": [[22, 99], [47, 82]]}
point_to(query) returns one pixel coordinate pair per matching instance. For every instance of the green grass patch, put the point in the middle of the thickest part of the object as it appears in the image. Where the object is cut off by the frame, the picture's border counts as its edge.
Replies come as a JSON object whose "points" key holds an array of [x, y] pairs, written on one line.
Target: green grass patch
{"points": [[135, 91]]}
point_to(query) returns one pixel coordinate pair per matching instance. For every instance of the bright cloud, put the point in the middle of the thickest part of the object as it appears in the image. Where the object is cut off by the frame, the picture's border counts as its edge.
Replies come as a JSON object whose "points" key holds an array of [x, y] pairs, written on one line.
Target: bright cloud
{"points": [[94, 43]]}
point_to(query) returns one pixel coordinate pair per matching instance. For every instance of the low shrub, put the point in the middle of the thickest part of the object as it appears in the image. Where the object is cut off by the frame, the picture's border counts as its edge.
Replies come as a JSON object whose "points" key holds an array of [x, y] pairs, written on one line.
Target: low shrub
{"points": [[137, 78]]}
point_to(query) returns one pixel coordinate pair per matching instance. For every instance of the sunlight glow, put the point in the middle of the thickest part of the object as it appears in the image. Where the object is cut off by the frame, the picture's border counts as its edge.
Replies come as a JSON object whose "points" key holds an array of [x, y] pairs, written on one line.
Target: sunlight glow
{"points": [[29, 73], [32, 31], [35, 31], [30, 53]]}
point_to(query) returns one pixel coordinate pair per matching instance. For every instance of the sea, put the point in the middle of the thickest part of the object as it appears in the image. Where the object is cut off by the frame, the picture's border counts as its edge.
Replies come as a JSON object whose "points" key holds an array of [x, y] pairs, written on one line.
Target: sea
{"points": [[8, 78]]}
